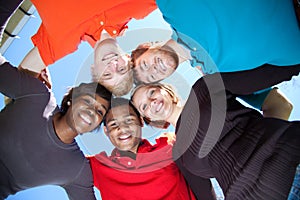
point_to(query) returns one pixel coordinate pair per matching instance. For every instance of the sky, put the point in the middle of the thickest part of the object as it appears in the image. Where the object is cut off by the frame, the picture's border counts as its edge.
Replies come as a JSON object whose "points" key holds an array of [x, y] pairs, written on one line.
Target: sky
{"points": [[74, 68]]}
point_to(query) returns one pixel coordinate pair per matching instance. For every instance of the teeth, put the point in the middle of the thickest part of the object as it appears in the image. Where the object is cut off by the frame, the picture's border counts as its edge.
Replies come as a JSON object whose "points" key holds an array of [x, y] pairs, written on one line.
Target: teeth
{"points": [[124, 137], [109, 56], [86, 119], [159, 106], [161, 64]]}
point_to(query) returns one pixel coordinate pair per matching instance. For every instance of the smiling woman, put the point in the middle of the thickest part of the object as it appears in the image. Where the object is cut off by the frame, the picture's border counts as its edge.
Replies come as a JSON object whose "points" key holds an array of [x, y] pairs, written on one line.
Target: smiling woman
{"points": [[213, 127]]}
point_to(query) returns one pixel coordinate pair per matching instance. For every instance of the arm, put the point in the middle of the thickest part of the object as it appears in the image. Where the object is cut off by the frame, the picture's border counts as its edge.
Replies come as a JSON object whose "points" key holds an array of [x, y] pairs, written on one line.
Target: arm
{"points": [[249, 81], [14, 83], [201, 187], [82, 187], [34, 66], [170, 135], [276, 105], [33, 61]]}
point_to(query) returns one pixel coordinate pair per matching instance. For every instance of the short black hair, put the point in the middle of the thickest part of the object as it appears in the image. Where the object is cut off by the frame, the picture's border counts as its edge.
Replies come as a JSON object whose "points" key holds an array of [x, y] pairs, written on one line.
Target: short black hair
{"points": [[120, 101], [92, 89]]}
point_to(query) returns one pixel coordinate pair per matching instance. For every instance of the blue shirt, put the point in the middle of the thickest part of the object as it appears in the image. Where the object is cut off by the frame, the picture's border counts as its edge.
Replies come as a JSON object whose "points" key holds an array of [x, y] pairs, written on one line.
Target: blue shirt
{"points": [[237, 35]]}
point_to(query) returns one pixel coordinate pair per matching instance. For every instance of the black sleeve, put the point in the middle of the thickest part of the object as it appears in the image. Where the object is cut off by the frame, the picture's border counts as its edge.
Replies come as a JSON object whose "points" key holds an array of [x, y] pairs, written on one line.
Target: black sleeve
{"points": [[249, 81], [15, 83], [201, 187]]}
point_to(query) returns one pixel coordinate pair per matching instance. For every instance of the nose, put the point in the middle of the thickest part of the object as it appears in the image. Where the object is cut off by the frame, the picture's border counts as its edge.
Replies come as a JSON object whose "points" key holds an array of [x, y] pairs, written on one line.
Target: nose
{"points": [[153, 102], [154, 69], [118, 65], [123, 127], [122, 60]]}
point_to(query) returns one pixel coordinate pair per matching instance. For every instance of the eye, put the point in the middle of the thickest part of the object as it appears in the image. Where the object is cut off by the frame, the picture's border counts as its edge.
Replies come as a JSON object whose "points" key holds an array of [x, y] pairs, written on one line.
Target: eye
{"points": [[122, 69], [144, 106], [152, 77], [144, 65], [112, 125], [106, 74], [129, 120], [100, 112], [151, 92], [87, 101]]}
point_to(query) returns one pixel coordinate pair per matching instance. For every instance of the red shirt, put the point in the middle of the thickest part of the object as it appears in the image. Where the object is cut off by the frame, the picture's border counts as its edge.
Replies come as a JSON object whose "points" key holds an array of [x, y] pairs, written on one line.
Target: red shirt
{"points": [[152, 175], [66, 22]]}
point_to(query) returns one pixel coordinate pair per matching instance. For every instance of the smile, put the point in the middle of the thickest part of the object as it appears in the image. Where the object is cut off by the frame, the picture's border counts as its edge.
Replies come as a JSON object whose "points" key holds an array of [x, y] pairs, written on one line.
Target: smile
{"points": [[161, 65], [109, 56], [125, 137], [159, 106], [87, 119]]}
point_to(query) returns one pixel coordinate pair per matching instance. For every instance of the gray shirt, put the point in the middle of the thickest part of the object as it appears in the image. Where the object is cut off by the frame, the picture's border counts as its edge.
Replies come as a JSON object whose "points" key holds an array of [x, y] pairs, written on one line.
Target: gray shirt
{"points": [[31, 154]]}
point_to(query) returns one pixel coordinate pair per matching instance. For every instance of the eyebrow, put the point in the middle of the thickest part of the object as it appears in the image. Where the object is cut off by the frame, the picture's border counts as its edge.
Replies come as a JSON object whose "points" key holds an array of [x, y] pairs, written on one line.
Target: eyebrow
{"points": [[103, 107], [114, 119], [91, 96]]}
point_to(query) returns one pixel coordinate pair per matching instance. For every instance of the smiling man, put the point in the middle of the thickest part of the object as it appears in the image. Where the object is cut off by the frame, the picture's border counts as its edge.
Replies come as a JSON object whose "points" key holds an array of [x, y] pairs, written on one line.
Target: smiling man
{"points": [[112, 67], [153, 62], [136, 169], [37, 145]]}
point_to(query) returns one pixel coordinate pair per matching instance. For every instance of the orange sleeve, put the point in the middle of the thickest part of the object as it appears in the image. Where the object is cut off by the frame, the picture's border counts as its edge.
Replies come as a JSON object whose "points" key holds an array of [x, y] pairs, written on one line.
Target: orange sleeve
{"points": [[52, 49]]}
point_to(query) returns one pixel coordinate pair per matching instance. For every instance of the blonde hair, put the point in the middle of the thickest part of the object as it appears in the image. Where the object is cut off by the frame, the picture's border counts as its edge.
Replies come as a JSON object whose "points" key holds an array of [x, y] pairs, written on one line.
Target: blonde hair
{"points": [[123, 87], [170, 90]]}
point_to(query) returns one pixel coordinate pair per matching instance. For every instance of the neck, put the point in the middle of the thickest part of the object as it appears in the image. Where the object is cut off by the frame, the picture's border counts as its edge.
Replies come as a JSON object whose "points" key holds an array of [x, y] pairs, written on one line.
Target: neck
{"points": [[64, 132], [175, 115]]}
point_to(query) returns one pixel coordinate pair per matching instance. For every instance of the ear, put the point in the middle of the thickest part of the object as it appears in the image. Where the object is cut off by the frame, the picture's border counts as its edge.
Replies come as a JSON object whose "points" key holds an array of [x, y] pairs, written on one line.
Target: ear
{"points": [[105, 130]]}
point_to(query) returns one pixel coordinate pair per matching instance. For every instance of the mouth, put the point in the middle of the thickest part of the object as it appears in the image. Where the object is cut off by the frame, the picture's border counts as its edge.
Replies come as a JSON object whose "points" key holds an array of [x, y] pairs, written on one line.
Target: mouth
{"points": [[109, 56], [86, 118], [125, 137], [158, 106], [161, 65]]}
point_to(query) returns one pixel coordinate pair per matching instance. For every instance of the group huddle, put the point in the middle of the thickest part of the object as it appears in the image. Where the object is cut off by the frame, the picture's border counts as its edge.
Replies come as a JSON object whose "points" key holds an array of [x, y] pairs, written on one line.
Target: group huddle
{"points": [[243, 49]]}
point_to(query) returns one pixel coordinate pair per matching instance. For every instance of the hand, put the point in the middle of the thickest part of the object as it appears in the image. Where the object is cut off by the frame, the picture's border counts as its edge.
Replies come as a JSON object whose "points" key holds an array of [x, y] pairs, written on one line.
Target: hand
{"points": [[44, 76], [171, 137]]}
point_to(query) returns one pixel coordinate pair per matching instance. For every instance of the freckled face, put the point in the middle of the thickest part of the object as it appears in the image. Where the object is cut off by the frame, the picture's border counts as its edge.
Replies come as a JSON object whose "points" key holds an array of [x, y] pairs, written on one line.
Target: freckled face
{"points": [[153, 102], [154, 65]]}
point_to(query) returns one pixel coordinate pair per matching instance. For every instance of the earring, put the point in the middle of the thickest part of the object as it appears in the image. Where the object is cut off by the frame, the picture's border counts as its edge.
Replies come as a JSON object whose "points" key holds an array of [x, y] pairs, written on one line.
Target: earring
{"points": [[68, 103]]}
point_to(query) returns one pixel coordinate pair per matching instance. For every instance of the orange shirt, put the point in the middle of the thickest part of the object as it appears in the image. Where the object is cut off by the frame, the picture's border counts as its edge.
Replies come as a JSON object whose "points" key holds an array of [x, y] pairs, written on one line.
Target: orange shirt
{"points": [[66, 22]]}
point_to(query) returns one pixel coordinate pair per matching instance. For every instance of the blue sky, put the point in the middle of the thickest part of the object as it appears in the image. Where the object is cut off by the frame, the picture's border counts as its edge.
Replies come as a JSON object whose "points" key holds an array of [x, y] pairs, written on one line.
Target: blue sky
{"points": [[74, 68]]}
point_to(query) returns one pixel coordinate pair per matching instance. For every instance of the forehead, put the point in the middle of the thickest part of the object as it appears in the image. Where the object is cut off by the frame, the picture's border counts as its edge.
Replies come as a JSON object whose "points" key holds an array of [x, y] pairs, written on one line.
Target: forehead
{"points": [[144, 89], [120, 111], [150, 52], [98, 99]]}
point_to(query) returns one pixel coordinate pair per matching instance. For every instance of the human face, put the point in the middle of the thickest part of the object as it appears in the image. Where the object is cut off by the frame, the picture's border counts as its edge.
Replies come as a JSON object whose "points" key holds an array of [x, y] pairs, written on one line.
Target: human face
{"points": [[124, 128], [153, 102], [86, 113], [154, 65], [111, 64]]}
